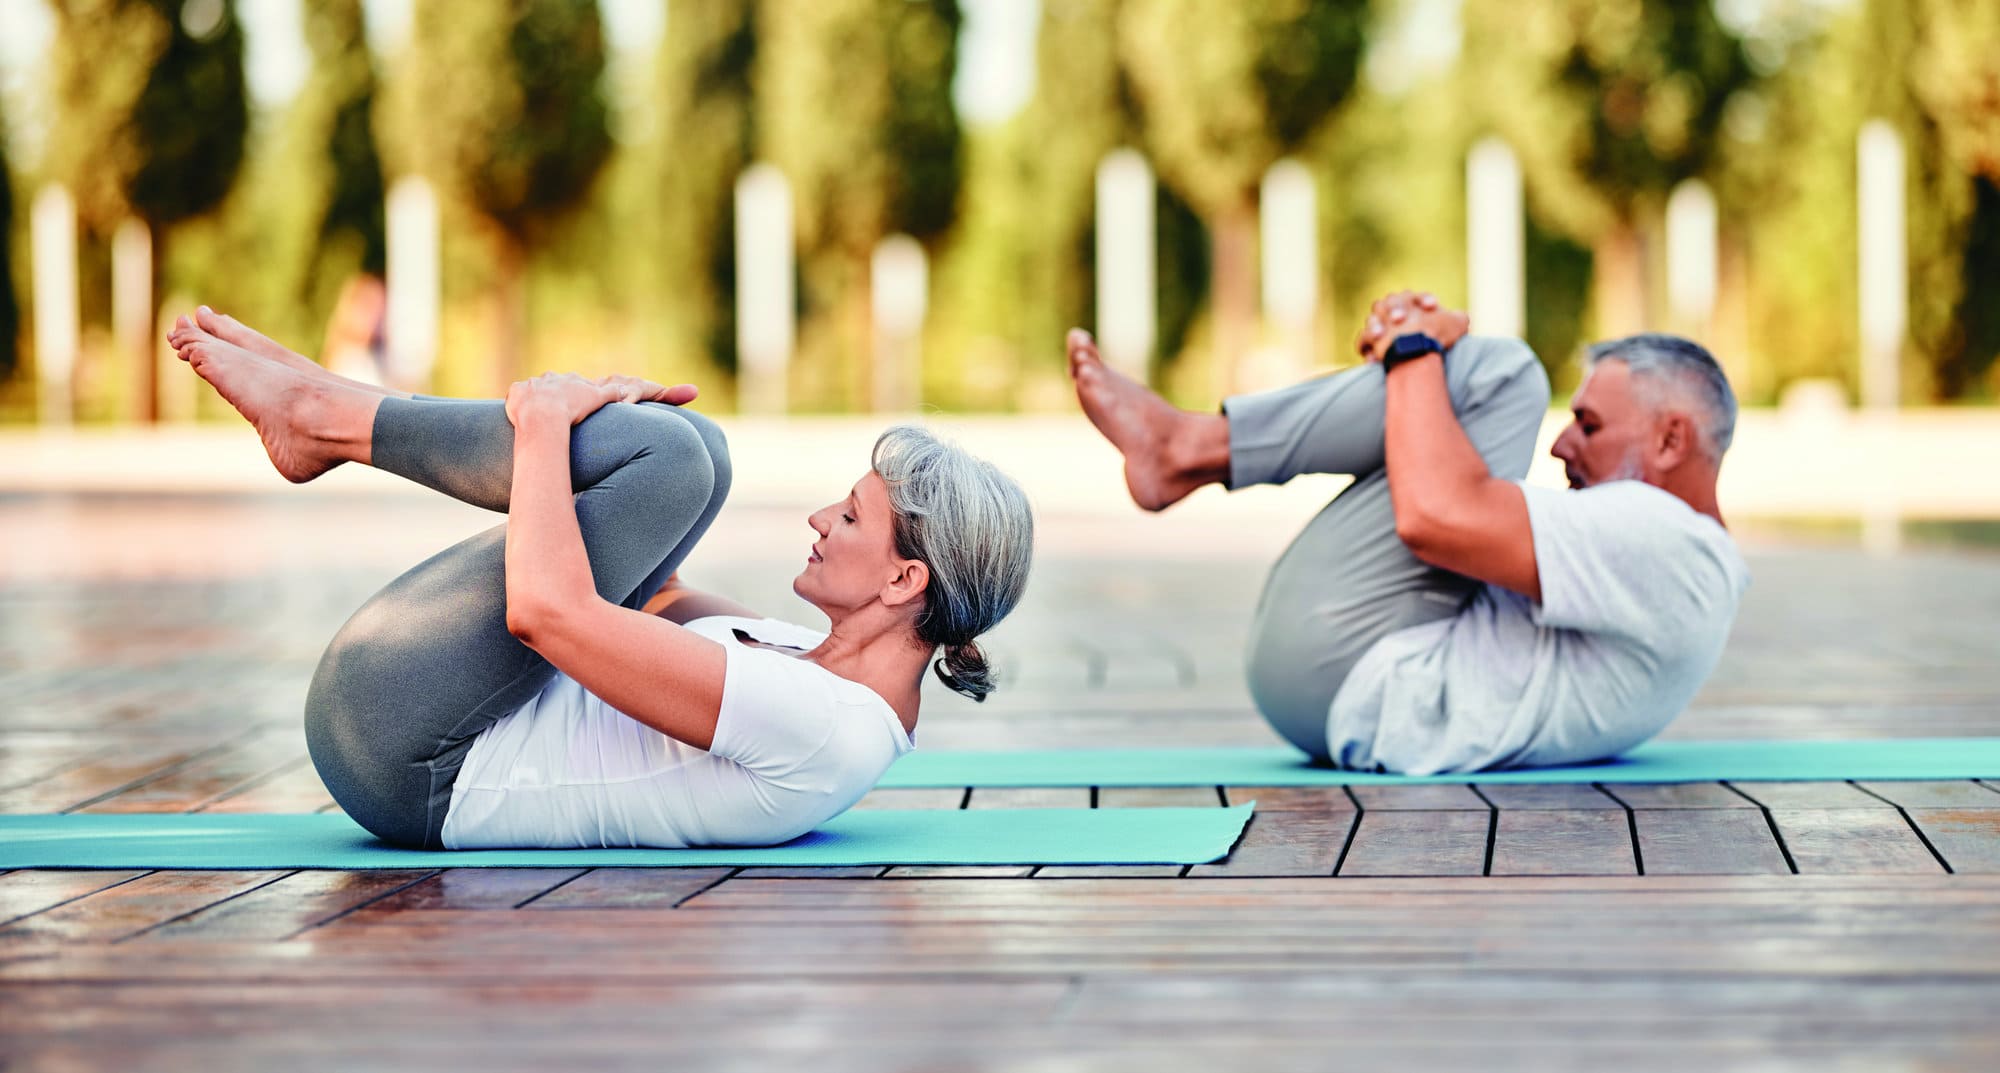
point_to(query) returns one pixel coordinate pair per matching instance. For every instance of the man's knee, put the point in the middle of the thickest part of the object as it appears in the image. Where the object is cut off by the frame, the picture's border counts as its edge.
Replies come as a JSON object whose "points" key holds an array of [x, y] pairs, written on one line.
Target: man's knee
{"points": [[1497, 372]]}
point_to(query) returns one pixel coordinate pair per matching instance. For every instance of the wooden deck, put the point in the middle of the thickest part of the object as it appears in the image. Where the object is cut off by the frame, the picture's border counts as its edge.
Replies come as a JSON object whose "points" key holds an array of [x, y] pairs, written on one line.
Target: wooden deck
{"points": [[1746, 925]]}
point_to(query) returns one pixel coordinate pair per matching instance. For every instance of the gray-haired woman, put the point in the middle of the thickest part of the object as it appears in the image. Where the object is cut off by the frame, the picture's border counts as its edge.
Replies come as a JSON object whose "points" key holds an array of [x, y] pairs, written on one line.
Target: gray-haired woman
{"points": [[550, 683]]}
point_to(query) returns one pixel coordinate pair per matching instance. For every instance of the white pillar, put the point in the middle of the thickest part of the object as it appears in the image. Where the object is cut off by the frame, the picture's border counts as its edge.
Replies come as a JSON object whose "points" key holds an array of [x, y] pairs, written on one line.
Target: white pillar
{"points": [[1691, 255], [1884, 275], [132, 312], [1288, 222], [410, 323], [1127, 321], [899, 291], [765, 313], [1495, 251], [55, 301]]}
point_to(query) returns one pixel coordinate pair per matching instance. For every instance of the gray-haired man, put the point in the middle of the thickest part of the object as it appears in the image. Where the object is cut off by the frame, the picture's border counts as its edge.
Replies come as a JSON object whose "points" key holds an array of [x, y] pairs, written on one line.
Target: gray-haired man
{"points": [[1439, 615]]}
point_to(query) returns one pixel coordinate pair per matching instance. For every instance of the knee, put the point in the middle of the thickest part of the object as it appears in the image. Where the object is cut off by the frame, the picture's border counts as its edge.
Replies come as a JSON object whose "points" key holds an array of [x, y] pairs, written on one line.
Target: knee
{"points": [[717, 446], [1500, 372]]}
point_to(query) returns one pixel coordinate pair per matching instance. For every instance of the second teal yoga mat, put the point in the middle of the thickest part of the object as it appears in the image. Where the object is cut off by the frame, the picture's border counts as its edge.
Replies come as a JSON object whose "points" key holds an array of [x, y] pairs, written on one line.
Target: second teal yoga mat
{"points": [[866, 836], [1658, 761]]}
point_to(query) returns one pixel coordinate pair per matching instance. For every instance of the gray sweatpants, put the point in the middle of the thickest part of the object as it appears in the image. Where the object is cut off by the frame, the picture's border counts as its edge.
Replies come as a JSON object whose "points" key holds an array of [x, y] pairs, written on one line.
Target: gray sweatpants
{"points": [[427, 663], [1348, 580]]}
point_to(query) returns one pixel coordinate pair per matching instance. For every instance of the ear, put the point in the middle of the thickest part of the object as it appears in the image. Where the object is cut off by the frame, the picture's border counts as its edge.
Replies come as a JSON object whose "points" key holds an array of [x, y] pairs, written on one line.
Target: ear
{"points": [[912, 577], [1673, 441]]}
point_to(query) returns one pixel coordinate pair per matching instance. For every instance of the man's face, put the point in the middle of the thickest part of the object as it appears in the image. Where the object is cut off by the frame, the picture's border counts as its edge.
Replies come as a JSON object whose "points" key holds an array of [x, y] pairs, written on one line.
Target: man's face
{"points": [[1607, 441]]}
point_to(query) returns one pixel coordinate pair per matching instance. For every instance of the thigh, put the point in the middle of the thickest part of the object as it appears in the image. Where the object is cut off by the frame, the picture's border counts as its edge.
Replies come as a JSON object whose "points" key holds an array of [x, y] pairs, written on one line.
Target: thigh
{"points": [[1344, 583], [410, 681]]}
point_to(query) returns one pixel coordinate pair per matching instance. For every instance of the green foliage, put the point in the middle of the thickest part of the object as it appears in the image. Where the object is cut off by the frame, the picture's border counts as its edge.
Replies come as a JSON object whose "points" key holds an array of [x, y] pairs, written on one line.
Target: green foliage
{"points": [[705, 140], [1609, 103], [129, 77], [1226, 87], [853, 104], [10, 311], [503, 107]]}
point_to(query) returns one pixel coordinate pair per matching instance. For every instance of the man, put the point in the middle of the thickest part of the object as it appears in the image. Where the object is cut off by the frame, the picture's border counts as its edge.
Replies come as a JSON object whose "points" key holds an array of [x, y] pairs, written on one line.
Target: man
{"points": [[1439, 615]]}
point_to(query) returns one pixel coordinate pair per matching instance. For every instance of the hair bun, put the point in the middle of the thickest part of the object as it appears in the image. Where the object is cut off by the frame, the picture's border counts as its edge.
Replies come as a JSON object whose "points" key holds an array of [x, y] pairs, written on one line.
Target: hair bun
{"points": [[964, 669]]}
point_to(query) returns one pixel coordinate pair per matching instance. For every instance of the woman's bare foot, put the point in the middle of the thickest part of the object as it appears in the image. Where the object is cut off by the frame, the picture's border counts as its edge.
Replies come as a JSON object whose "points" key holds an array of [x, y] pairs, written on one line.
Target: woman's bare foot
{"points": [[230, 330], [305, 424], [1168, 452]]}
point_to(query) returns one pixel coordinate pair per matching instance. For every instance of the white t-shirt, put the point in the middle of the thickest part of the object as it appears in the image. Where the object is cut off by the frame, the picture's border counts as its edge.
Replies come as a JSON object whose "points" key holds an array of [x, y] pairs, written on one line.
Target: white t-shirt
{"points": [[795, 745], [1638, 594]]}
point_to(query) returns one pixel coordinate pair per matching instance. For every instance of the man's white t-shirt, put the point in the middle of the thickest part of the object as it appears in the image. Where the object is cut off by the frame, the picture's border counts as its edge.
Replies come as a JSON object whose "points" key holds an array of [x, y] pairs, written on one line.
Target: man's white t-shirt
{"points": [[1638, 594], [795, 745]]}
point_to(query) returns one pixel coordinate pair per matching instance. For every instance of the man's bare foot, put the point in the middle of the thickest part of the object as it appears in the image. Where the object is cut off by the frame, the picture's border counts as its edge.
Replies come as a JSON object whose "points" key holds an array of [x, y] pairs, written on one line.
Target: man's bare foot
{"points": [[273, 398], [1168, 452]]}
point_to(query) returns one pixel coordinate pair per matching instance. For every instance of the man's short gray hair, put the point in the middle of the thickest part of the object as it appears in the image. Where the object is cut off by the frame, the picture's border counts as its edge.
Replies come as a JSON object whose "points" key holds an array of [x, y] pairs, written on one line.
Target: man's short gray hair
{"points": [[1665, 366], [971, 525]]}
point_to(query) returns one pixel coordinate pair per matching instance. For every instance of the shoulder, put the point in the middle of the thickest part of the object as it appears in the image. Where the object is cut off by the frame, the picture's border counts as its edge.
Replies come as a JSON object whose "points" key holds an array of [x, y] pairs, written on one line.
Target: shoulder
{"points": [[731, 628]]}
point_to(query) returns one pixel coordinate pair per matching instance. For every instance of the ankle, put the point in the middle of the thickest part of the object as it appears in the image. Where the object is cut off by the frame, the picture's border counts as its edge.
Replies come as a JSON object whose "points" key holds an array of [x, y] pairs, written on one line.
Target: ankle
{"points": [[1196, 447]]}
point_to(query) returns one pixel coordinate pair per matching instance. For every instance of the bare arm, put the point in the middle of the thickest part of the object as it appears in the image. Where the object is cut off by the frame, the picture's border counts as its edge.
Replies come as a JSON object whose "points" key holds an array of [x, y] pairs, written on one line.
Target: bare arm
{"points": [[676, 602], [1451, 511], [644, 666]]}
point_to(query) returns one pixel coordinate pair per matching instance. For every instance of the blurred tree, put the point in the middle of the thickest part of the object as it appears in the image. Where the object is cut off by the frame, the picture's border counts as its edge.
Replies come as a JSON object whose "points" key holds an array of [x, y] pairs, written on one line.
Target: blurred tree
{"points": [[1225, 89], [1955, 75], [502, 107], [853, 104], [1609, 103], [332, 172], [10, 311], [705, 140], [151, 114]]}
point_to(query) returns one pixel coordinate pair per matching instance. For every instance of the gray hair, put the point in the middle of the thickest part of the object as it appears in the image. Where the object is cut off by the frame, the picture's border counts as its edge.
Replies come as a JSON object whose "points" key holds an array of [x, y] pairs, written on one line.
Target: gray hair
{"points": [[970, 525], [1664, 364]]}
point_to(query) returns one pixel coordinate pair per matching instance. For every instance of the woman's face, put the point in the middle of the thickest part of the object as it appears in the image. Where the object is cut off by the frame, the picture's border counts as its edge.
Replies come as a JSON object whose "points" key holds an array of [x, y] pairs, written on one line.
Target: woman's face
{"points": [[854, 562]]}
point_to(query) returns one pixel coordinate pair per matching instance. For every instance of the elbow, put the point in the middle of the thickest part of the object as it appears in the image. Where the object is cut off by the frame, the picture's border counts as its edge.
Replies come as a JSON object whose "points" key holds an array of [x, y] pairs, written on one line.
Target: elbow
{"points": [[528, 619], [1418, 529]]}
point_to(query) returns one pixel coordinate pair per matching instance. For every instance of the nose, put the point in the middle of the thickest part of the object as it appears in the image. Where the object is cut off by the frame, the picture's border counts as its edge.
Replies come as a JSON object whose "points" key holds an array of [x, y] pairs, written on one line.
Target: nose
{"points": [[1564, 447], [817, 520]]}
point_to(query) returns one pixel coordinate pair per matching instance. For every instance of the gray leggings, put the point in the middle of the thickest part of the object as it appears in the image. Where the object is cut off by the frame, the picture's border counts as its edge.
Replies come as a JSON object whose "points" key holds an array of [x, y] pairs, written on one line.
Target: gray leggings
{"points": [[1348, 580], [427, 663]]}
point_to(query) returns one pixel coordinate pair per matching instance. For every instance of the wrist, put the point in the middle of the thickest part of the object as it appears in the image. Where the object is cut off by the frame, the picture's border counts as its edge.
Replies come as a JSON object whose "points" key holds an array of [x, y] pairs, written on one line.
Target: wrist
{"points": [[1410, 347]]}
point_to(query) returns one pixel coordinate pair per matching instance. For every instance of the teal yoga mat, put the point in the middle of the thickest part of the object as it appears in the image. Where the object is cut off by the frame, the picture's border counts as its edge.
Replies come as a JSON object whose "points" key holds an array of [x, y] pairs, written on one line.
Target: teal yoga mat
{"points": [[1658, 761], [866, 836]]}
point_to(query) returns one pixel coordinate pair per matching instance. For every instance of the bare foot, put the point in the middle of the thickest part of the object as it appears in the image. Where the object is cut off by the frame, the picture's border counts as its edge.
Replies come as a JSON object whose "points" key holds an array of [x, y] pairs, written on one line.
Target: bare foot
{"points": [[1149, 431], [270, 396], [230, 330]]}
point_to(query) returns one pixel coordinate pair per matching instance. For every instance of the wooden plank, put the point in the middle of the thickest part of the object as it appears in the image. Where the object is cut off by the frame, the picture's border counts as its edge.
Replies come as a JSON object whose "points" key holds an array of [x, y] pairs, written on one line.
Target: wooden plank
{"points": [[293, 904], [1420, 797], [1399, 842], [30, 892], [1809, 795], [1954, 794], [862, 871], [1677, 795], [1029, 797], [477, 888], [1290, 798], [960, 871], [130, 908], [1170, 797], [1109, 871], [631, 888], [897, 798], [1968, 839], [1285, 844], [296, 788], [1853, 840], [1708, 841], [1562, 842], [1545, 796], [210, 777], [100, 776]]}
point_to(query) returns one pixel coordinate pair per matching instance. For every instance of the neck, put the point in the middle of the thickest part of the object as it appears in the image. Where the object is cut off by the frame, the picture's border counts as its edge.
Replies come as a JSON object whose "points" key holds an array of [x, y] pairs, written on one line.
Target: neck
{"points": [[877, 649], [1695, 485]]}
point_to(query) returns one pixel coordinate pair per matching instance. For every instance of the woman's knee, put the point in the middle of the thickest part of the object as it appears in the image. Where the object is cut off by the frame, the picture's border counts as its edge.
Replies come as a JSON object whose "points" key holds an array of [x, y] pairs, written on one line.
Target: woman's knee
{"points": [[713, 442]]}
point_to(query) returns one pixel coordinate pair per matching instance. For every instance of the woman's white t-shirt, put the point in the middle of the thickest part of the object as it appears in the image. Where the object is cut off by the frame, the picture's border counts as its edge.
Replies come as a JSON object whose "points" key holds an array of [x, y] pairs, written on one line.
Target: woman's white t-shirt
{"points": [[795, 745]]}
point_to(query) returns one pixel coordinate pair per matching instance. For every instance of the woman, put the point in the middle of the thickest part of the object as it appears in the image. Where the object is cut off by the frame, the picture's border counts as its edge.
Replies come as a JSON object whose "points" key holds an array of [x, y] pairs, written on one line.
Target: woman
{"points": [[511, 691]]}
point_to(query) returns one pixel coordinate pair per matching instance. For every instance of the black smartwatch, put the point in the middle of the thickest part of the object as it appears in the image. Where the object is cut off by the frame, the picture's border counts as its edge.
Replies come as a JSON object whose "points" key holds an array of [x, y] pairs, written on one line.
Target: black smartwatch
{"points": [[1409, 347]]}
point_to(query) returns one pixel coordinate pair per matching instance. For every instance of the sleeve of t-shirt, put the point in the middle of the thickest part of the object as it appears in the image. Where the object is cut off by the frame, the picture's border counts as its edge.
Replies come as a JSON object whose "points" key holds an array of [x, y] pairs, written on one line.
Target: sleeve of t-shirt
{"points": [[1616, 558], [775, 716]]}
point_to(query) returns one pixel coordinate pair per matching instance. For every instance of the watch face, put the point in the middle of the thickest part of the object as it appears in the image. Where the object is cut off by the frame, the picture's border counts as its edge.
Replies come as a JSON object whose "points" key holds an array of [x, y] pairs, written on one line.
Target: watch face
{"points": [[1412, 345]]}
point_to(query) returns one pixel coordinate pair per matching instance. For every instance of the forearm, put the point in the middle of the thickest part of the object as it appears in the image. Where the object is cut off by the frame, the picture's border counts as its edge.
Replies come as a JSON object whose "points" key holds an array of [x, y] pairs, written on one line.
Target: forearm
{"points": [[547, 567], [1432, 465]]}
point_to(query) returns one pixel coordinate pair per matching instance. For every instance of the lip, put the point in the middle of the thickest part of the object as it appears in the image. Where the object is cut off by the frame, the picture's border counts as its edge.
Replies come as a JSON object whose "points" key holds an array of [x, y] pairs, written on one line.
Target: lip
{"points": [[813, 556]]}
